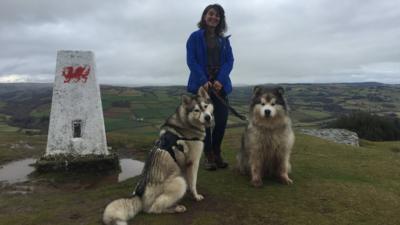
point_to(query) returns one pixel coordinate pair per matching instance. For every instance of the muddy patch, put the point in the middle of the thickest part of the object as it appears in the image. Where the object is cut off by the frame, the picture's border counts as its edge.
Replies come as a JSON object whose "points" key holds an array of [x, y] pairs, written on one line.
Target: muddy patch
{"points": [[129, 168]]}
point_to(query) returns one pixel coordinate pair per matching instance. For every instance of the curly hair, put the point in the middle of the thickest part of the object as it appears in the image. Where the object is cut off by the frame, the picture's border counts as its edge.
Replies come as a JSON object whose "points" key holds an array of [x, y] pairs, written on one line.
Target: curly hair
{"points": [[222, 27]]}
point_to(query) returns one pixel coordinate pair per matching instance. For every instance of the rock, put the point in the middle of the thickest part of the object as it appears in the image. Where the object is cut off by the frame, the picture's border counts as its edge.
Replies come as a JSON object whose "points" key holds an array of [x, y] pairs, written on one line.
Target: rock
{"points": [[11, 189], [27, 146], [341, 136]]}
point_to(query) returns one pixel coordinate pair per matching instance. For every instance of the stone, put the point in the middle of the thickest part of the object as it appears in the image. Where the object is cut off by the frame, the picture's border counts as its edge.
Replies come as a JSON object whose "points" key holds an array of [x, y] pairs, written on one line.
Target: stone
{"points": [[341, 136]]}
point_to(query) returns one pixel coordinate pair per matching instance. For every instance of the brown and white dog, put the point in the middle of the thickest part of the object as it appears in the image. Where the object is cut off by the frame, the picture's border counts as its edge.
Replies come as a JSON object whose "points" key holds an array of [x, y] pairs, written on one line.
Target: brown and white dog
{"points": [[268, 139]]}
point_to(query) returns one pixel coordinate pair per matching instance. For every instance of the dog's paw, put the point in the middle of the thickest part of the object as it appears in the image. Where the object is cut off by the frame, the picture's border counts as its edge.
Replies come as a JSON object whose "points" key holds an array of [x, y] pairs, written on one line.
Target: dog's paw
{"points": [[286, 180], [198, 197], [257, 183], [180, 208]]}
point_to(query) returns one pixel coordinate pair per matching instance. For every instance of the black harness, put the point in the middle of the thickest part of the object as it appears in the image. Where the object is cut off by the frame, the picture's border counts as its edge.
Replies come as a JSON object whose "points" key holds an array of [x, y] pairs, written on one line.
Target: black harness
{"points": [[168, 141]]}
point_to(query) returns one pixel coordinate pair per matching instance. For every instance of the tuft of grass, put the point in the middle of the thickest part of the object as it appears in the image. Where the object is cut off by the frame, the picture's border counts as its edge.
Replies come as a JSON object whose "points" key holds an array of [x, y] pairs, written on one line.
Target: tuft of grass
{"points": [[395, 149]]}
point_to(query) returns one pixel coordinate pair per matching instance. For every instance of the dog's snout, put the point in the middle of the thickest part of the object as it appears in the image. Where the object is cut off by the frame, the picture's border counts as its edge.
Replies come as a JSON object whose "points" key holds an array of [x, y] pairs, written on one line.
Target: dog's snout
{"points": [[207, 118], [267, 112]]}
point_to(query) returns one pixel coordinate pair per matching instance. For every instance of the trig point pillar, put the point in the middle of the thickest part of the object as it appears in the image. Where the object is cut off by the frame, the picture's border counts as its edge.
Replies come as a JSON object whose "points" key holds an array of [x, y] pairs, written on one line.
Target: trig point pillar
{"points": [[76, 135]]}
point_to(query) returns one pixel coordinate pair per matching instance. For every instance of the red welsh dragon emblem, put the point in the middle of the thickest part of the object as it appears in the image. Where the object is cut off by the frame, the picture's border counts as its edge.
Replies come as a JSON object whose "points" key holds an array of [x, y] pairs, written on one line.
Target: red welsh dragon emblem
{"points": [[77, 73]]}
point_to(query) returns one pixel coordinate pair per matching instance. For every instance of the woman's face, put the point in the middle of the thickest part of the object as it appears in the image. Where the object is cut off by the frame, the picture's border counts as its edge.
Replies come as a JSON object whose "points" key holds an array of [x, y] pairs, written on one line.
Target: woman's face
{"points": [[212, 18]]}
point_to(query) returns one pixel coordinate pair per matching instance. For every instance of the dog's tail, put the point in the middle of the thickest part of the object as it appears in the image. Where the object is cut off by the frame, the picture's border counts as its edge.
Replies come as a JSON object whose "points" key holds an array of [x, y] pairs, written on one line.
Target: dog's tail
{"points": [[121, 210]]}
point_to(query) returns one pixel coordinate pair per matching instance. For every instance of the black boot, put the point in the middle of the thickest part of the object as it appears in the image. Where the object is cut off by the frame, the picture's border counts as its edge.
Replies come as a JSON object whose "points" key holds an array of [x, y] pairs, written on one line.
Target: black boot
{"points": [[209, 162], [220, 163]]}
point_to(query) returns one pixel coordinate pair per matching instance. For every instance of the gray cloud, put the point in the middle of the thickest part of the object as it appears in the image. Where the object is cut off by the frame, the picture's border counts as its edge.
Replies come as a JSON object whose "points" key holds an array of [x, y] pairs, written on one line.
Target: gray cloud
{"points": [[143, 42]]}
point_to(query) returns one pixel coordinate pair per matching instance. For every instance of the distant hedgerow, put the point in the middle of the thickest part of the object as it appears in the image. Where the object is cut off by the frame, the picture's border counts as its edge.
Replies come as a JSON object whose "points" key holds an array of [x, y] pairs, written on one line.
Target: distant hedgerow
{"points": [[30, 122], [123, 104], [369, 126]]}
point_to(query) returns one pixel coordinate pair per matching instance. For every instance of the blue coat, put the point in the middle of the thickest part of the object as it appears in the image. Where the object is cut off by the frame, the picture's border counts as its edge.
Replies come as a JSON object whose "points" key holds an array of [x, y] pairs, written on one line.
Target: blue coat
{"points": [[196, 58]]}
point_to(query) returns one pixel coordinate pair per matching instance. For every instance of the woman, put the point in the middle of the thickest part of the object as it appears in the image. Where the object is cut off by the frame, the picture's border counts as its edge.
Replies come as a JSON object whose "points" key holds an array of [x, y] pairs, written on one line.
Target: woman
{"points": [[210, 60]]}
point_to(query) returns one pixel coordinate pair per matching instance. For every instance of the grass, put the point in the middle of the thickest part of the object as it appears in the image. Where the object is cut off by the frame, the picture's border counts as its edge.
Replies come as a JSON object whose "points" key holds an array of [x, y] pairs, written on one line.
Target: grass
{"points": [[317, 115], [4, 127], [14, 146], [43, 110], [123, 123], [333, 184]]}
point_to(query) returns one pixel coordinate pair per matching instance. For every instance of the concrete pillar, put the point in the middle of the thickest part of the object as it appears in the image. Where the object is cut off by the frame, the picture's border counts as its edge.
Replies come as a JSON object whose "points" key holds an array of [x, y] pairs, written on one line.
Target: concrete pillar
{"points": [[76, 117]]}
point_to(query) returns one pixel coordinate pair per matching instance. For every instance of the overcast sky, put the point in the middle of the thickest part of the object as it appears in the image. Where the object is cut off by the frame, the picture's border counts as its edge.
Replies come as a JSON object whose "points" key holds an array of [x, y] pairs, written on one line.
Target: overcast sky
{"points": [[143, 42]]}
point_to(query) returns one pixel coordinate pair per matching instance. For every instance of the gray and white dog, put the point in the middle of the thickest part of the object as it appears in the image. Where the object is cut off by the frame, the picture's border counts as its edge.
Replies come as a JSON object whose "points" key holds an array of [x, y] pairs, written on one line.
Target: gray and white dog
{"points": [[268, 138], [171, 166]]}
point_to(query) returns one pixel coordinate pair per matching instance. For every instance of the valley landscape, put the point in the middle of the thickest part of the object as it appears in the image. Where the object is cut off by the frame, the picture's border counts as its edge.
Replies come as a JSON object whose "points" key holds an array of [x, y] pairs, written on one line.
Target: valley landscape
{"points": [[333, 183]]}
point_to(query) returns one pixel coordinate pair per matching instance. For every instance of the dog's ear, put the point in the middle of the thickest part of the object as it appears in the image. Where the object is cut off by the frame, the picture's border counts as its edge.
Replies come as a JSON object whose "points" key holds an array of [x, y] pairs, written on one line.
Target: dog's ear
{"points": [[279, 90], [186, 99], [203, 93], [256, 90]]}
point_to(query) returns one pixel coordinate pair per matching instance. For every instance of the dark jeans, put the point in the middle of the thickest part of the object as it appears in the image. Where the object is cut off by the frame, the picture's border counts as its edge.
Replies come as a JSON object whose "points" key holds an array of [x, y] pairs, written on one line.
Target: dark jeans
{"points": [[213, 140]]}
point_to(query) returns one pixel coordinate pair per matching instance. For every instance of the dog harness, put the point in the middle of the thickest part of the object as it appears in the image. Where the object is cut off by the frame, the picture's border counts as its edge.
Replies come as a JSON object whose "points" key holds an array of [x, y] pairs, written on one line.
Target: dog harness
{"points": [[168, 141]]}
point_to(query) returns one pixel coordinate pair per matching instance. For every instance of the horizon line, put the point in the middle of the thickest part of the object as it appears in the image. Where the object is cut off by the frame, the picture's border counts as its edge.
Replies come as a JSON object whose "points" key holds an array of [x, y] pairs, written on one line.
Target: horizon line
{"points": [[237, 85]]}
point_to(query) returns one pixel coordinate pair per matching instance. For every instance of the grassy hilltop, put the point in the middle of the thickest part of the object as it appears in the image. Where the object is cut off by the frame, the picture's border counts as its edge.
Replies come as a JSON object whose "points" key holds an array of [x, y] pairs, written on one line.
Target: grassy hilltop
{"points": [[333, 183]]}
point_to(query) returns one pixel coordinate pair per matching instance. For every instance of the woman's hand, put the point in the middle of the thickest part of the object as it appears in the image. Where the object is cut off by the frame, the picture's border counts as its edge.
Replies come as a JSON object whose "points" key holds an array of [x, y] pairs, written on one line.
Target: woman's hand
{"points": [[217, 85]]}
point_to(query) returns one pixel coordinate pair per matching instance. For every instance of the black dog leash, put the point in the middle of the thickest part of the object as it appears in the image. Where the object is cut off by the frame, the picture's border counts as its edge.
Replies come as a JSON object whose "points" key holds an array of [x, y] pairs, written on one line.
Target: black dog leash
{"points": [[233, 111], [213, 71]]}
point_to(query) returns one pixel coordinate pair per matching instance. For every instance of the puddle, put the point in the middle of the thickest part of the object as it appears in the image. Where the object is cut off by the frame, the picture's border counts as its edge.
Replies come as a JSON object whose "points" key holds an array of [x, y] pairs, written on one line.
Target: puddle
{"points": [[129, 168], [18, 171]]}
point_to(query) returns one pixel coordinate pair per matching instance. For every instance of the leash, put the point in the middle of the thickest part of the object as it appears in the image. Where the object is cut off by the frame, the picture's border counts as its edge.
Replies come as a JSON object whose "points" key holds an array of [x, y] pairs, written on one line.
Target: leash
{"points": [[231, 109]]}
